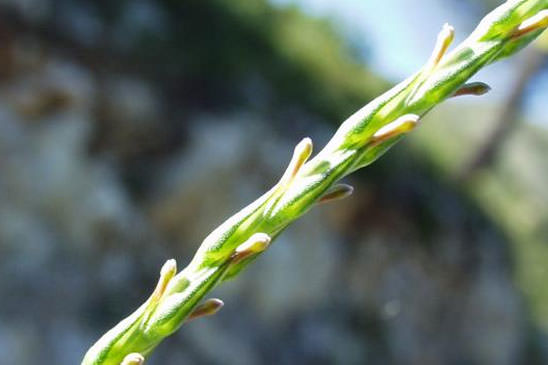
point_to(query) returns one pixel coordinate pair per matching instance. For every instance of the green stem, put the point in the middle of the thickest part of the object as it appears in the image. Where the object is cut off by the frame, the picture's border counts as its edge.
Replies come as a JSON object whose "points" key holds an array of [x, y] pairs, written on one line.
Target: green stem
{"points": [[359, 141]]}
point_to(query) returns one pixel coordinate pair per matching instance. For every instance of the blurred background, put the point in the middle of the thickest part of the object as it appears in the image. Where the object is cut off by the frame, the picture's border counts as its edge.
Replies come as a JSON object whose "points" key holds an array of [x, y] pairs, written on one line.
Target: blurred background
{"points": [[130, 129]]}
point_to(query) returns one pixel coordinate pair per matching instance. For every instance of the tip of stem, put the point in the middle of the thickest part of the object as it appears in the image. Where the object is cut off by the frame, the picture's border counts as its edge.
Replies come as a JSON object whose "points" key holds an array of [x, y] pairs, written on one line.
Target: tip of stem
{"points": [[447, 32], [133, 359], [306, 145], [302, 152], [257, 243], [536, 22], [402, 125], [169, 268], [444, 40], [168, 271]]}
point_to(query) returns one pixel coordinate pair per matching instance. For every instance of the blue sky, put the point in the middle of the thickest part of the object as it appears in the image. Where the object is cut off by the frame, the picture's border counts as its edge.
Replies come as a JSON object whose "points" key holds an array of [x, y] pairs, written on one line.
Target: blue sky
{"points": [[402, 38]]}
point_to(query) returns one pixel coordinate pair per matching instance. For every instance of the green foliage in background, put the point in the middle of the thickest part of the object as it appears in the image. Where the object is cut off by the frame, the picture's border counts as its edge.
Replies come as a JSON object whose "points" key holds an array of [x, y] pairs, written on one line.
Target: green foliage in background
{"points": [[211, 61], [359, 141]]}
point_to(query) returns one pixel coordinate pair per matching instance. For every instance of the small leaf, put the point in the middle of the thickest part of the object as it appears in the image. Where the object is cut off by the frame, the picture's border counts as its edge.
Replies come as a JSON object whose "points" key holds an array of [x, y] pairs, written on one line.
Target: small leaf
{"points": [[337, 192], [473, 88], [207, 308]]}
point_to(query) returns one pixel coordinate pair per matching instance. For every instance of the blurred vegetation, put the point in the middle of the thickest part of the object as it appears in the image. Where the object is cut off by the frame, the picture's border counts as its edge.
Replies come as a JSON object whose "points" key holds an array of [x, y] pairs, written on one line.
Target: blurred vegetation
{"points": [[511, 190], [220, 56], [211, 53]]}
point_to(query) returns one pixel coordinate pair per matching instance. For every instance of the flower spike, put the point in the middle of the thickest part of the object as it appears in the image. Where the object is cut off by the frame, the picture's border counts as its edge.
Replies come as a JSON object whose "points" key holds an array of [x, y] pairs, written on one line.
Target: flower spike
{"points": [[364, 137]]}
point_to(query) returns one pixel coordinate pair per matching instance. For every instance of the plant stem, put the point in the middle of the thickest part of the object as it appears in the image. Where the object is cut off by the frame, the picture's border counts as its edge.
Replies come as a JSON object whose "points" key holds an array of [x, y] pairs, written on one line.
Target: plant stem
{"points": [[359, 141]]}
